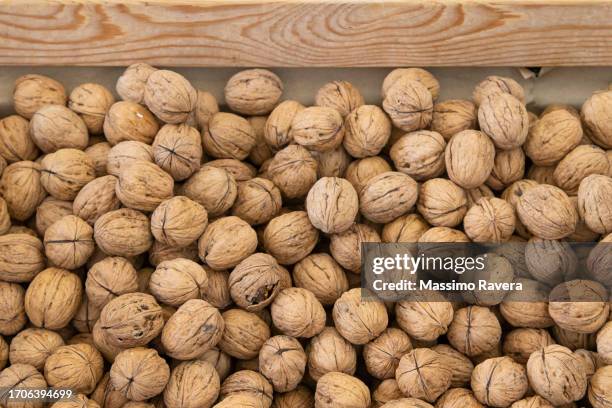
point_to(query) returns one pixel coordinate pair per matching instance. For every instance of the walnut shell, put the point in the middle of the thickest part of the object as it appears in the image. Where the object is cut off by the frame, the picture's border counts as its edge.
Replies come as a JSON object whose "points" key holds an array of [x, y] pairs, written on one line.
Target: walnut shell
{"points": [[332, 205], [123, 232], [217, 293], [552, 137], [416, 74], [453, 116], [108, 279], [192, 384], [255, 281], [301, 397], [599, 387], [15, 141], [129, 121], [423, 373], [277, 131], [226, 242], [33, 92], [95, 199], [176, 281], [496, 84], [124, 154], [474, 330], [579, 305], [296, 312], [12, 311], [508, 167], [470, 157], [78, 367], [318, 128], [69, 242], [595, 115], [258, 200], [293, 170], [253, 91], [549, 261], [65, 172], [405, 229], [5, 218], [499, 382], [248, 383], [528, 307], [345, 247], [86, 316], [220, 361], [521, 343], [460, 365], [214, 188], [139, 374], [382, 355], [442, 202], [580, 163], [91, 101], [512, 194], [419, 154], [22, 189], [77, 401], [241, 171], [228, 136], [504, 119], [604, 343], [178, 221], [532, 402], [388, 392], [358, 320], [33, 346], [340, 95], [261, 151], [320, 274], [330, 352], [458, 398], [290, 237], [206, 107], [547, 212], [244, 334], [170, 96], [423, 319], [143, 186], [22, 376], [409, 104], [177, 149], [339, 390], [282, 361], [106, 396], [595, 190], [131, 84], [359, 172], [332, 163], [21, 257], [489, 220], [387, 196], [98, 153], [160, 252]]}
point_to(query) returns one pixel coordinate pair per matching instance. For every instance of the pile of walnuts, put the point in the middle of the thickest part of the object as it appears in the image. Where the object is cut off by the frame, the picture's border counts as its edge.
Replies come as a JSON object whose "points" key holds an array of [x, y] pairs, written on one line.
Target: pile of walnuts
{"points": [[157, 252]]}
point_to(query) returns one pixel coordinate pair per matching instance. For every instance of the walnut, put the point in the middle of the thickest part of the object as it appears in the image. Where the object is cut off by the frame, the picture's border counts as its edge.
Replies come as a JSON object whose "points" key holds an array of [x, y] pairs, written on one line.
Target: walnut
{"points": [[261, 151], [367, 131], [595, 190], [340, 95], [217, 293], [387, 196], [282, 361], [336, 390], [508, 167], [532, 402], [504, 119], [192, 384], [580, 163], [521, 343], [346, 246], [416, 74], [139, 374], [552, 137], [382, 355], [123, 232], [33, 346], [330, 352], [359, 172], [301, 397], [460, 365], [332, 163], [573, 340], [241, 171], [297, 312], [547, 212], [470, 158], [12, 311], [497, 84], [474, 330], [528, 307], [419, 154], [109, 278], [388, 391], [206, 107], [423, 373], [458, 398], [159, 253], [318, 128], [143, 186], [77, 401], [599, 387], [590, 360], [542, 174], [21, 257], [332, 205], [277, 132], [53, 298], [226, 242], [442, 202], [321, 275], [78, 367], [21, 188], [489, 220], [549, 261], [240, 400], [69, 242], [255, 281], [228, 136], [131, 84], [258, 201], [453, 116], [425, 316], [253, 91], [496, 269], [409, 104], [405, 229], [33, 92], [91, 101], [169, 96], [102, 343], [21, 376], [244, 334], [4, 353], [5, 218], [95, 199], [129, 121], [177, 149], [86, 316], [178, 221], [499, 382], [556, 374], [512, 195], [595, 115], [125, 154], [442, 234], [106, 396], [212, 187], [221, 362], [98, 153], [15, 141], [65, 172], [359, 320], [579, 305], [294, 171]]}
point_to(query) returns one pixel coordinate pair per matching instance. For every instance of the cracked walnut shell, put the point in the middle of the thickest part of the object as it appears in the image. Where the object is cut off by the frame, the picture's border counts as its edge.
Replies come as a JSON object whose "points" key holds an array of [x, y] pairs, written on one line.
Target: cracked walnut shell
{"points": [[255, 282]]}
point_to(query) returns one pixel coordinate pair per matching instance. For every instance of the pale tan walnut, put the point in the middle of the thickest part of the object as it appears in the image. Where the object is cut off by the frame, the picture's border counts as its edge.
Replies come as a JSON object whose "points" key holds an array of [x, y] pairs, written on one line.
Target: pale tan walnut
{"points": [[226, 242], [192, 384], [443, 234], [460, 365], [556, 374], [512, 194], [552, 137], [329, 352], [470, 158], [21, 188], [550, 261], [217, 293], [21, 376], [101, 342], [496, 84], [177, 149], [442, 203], [600, 387], [109, 278], [33, 346], [496, 269], [139, 374], [69, 242], [580, 163], [604, 343], [318, 128], [253, 91], [5, 218], [21, 257], [160, 252], [125, 154], [130, 85], [528, 307], [255, 282], [244, 334], [296, 312], [475, 194], [261, 151], [504, 119], [206, 107], [416, 74], [532, 402], [332, 163], [4, 353], [423, 373], [332, 205], [33, 92], [387, 196], [240, 400], [457, 398], [98, 153], [86, 316], [590, 360], [521, 343], [258, 200], [293, 170], [357, 319], [196, 326], [547, 212], [107, 397], [12, 311], [573, 340], [301, 397], [91, 101], [170, 96], [474, 330], [277, 131], [409, 104], [453, 116], [143, 186], [498, 382], [424, 316], [489, 220], [65, 172], [220, 361], [129, 121], [228, 136], [596, 115], [367, 131], [15, 141], [419, 154], [123, 232], [508, 167], [282, 361], [359, 172], [321, 275], [241, 171], [76, 401], [78, 367], [3, 164], [593, 194], [382, 355], [406, 229], [95, 199], [346, 246], [542, 174], [579, 305], [178, 221], [20, 229], [340, 95], [212, 187], [388, 391], [339, 390], [53, 298]]}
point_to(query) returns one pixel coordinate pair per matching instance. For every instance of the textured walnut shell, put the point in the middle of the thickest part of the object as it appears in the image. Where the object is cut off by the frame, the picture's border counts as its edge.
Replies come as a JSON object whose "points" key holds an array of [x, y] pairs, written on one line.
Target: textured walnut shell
{"points": [[512, 194], [301, 397], [98, 153], [293, 170], [474, 330], [139, 374], [240, 400], [258, 200], [143, 186], [123, 232], [282, 361], [226, 242], [549, 261], [340, 95], [318, 128], [332, 205], [406, 229], [499, 382], [367, 131], [357, 320], [579, 305], [196, 327], [461, 366], [21, 257], [65, 172], [106, 396], [253, 91], [497, 84], [290, 237], [33, 92], [556, 374], [241, 171], [508, 167], [34, 346], [388, 392], [15, 141], [124, 154], [423, 373], [345, 247], [321, 275], [470, 157], [212, 187], [192, 384], [220, 361], [442, 203], [244, 334], [86, 316], [359, 172], [552, 137], [387, 196], [596, 114], [573, 340], [594, 191], [160, 252], [580, 163], [456, 398], [415, 74], [91, 101], [169, 96], [21, 188], [599, 387], [341, 390], [296, 312], [12, 311], [489, 220], [277, 132], [382, 355], [330, 352], [78, 367], [109, 278], [5, 218], [504, 119], [77, 401], [178, 221], [22, 376], [217, 293], [131, 320], [130, 85], [528, 307], [332, 163], [419, 154], [53, 298], [177, 149], [547, 212], [423, 319], [521, 343], [206, 107], [409, 104], [261, 151], [532, 402], [69, 242], [255, 281], [228, 136], [604, 343], [129, 121], [453, 116], [95, 199]]}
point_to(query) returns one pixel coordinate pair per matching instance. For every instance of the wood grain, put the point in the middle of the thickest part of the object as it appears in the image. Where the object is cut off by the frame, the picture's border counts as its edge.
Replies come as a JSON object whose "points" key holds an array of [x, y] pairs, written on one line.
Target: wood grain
{"points": [[306, 33]]}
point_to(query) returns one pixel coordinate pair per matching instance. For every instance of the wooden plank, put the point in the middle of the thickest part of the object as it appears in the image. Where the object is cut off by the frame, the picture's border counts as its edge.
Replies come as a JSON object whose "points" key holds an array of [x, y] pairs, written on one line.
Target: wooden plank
{"points": [[306, 33]]}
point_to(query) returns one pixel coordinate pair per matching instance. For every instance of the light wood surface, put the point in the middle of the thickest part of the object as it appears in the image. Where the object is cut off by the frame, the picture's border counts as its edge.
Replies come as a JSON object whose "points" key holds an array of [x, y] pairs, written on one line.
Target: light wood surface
{"points": [[306, 33]]}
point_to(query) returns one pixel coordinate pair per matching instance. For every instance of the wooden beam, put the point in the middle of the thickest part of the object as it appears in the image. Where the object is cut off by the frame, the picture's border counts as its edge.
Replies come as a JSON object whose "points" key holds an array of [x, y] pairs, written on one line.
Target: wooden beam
{"points": [[306, 33]]}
